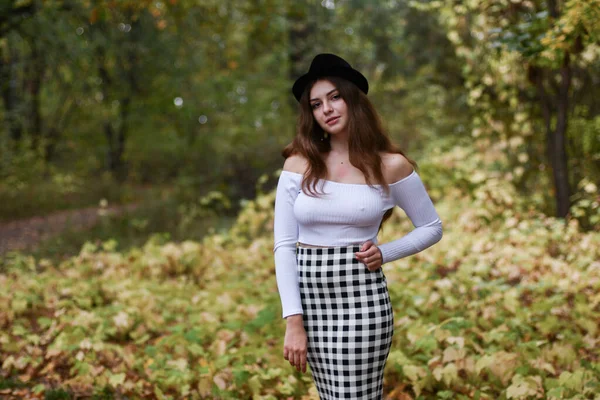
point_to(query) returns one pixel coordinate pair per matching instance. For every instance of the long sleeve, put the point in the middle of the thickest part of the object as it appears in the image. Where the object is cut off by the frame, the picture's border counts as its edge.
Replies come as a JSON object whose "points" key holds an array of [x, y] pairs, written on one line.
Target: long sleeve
{"points": [[285, 237], [410, 195]]}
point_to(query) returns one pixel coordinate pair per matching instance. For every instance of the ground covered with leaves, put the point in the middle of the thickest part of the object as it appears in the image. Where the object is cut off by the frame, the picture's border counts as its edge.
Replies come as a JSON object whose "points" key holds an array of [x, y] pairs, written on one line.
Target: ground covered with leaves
{"points": [[505, 306]]}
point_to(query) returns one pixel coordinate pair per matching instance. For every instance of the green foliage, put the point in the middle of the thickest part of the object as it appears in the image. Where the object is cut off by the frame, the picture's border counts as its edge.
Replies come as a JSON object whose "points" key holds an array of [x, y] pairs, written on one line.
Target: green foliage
{"points": [[58, 394], [205, 100], [160, 214], [505, 305], [512, 55], [59, 192]]}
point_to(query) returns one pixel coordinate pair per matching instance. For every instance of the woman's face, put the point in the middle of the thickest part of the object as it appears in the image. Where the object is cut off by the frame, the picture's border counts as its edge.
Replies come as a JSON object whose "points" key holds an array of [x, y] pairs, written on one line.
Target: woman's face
{"points": [[328, 107]]}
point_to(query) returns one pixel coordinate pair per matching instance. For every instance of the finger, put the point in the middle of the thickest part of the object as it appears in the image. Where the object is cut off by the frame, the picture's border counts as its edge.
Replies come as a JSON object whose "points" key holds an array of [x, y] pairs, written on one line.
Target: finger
{"points": [[285, 353], [370, 258], [368, 251], [375, 257], [297, 361], [374, 266], [290, 357], [293, 358], [366, 245], [374, 253], [303, 362]]}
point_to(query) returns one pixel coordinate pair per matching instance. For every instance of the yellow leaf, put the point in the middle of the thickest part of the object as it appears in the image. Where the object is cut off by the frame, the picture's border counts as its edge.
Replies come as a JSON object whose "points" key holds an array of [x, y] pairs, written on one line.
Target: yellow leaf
{"points": [[458, 340], [483, 362], [450, 374], [255, 384], [437, 373], [204, 387], [413, 372], [116, 379]]}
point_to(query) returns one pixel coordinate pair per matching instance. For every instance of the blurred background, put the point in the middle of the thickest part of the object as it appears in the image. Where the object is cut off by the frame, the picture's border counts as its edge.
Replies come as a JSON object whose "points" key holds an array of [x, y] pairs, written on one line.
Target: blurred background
{"points": [[164, 115]]}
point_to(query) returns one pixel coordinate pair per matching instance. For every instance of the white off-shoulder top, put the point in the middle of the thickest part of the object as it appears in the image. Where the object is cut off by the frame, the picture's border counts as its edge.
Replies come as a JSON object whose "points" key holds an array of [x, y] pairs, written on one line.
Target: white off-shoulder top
{"points": [[346, 214]]}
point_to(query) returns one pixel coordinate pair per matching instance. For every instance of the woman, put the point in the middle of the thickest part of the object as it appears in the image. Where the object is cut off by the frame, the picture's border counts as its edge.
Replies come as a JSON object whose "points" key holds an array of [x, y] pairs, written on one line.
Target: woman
{"points": [[341, 179]]}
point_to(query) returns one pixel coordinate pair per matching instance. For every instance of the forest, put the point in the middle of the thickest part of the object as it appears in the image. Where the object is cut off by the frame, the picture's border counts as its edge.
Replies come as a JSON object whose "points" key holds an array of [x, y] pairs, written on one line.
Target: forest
{"points": [[141, 142]]}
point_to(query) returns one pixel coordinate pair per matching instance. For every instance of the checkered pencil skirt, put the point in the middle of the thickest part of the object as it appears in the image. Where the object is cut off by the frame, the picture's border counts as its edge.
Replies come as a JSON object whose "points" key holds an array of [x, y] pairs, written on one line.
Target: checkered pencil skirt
{"points": [[348, 320]]}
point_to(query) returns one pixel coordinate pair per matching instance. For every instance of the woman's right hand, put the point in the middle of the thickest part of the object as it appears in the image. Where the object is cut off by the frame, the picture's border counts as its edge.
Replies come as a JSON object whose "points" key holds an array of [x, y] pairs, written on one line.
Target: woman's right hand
{"points": [[295, 342]]}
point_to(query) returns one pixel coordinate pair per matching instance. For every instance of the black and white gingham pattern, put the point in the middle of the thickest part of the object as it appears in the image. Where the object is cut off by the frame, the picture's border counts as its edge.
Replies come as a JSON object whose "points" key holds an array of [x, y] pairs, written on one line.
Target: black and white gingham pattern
{"points": [[349, 322]]}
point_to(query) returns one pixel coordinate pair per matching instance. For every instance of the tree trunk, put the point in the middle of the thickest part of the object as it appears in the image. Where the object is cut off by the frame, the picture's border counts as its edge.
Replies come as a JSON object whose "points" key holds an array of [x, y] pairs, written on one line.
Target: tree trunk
{"points": [[556, 138], [53, 133], [559, 150], [119, 170], [8, 88], [35, 87], [116, 142]]}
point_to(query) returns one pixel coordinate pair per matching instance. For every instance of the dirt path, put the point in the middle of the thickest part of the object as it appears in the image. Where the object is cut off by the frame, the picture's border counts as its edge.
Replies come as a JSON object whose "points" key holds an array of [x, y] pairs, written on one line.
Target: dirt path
{"points": [[25, 233]]}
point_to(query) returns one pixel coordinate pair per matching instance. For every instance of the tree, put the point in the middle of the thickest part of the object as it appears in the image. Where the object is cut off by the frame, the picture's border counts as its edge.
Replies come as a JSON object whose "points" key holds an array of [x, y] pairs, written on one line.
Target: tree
{"points": [[511, 48], [11, 17]]}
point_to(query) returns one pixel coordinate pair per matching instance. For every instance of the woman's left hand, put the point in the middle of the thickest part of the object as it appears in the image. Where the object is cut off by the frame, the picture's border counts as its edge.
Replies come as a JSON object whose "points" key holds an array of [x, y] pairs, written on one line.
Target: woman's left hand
{"points": [[370, 255]]}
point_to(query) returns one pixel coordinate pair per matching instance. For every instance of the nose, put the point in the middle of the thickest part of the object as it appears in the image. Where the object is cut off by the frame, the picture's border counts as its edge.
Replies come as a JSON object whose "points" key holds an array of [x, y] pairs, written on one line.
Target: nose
{"points": [[327, 107]]}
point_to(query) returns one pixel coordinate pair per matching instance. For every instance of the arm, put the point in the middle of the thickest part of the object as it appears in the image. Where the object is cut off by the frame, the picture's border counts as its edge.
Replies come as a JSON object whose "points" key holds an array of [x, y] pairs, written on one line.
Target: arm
{"points": [[285, 238], [410, 194]]}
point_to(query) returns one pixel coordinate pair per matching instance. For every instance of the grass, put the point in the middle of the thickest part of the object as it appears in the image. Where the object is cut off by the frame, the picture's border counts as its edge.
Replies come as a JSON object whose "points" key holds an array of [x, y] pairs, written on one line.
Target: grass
{"points": [[174, 212], [152, 218], [44, 198]]}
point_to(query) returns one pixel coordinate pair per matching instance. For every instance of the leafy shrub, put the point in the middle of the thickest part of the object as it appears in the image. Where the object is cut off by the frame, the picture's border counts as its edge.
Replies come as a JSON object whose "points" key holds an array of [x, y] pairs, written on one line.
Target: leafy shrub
{"points": [[504, 307]]}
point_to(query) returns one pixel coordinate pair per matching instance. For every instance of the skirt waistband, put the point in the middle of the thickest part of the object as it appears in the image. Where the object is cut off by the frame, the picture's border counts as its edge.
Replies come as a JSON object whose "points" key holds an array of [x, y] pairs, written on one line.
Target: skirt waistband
{"points": [[349, 249]]}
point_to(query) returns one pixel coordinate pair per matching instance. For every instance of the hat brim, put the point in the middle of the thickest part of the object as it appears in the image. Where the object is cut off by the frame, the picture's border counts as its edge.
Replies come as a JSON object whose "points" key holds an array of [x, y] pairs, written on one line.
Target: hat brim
{"points": [[349, 74]]}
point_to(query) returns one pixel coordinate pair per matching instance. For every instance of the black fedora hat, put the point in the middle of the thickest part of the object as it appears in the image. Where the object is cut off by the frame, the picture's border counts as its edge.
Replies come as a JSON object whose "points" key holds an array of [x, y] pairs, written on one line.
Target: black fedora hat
{"points": [[329, 65]]}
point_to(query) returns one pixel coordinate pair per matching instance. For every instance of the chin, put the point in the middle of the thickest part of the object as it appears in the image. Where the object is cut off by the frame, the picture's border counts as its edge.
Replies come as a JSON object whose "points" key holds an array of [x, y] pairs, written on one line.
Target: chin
{"points": [[334, 131]]}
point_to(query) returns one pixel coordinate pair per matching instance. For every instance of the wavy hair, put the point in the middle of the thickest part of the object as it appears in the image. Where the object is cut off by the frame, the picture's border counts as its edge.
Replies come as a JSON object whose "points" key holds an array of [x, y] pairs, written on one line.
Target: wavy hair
{"points": [[366, 139]]}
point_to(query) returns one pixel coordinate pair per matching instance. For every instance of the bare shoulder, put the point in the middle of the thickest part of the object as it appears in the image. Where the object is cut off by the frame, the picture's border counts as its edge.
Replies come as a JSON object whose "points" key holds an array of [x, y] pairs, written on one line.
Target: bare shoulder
{"points": [[395, 167], [295, 163]]}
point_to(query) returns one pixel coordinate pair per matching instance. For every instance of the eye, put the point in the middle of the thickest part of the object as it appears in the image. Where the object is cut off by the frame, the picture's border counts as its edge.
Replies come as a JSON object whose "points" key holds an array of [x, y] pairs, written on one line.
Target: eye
{"points": [[335, 96], [315, 105]]}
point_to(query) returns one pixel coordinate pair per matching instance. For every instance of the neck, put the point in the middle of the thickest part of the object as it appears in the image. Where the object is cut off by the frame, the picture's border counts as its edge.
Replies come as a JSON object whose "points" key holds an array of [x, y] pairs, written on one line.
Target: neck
{"points": [[339, 143]]}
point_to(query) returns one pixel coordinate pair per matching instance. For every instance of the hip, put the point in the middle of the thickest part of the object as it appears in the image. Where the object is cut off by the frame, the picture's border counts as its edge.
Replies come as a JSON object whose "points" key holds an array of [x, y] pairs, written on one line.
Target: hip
{"points": [[336, 267]]}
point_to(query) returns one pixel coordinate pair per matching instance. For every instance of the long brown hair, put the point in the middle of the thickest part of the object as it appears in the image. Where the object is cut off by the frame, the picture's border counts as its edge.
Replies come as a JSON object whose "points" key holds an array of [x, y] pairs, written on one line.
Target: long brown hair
{"points": [[365, 140]]}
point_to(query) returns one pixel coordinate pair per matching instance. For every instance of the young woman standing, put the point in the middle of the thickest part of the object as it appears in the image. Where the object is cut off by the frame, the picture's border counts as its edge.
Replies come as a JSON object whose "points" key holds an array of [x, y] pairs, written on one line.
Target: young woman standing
{"points": [[341, 179]]}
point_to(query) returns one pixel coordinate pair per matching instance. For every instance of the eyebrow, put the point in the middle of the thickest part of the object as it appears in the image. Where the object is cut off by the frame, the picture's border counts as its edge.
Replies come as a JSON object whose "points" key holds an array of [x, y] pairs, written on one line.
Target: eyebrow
{"points": [[328, 93]]}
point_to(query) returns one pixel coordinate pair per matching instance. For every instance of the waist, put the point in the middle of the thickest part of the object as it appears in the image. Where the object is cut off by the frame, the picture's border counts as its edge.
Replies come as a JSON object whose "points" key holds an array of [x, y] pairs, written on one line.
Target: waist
{"points": [[310, 246], [346, 250], [317, 246]]}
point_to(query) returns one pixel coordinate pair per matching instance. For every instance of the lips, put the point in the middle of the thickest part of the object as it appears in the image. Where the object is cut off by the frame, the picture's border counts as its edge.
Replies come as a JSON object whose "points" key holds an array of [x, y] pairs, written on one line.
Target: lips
{"points": [[330, 120]]}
